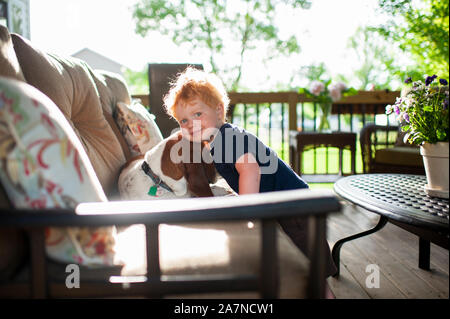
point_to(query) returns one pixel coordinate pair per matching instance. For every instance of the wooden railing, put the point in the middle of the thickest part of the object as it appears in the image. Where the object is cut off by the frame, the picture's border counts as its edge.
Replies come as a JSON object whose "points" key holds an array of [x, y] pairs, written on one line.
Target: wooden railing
{"points": [[365, 102], [272, 115]]}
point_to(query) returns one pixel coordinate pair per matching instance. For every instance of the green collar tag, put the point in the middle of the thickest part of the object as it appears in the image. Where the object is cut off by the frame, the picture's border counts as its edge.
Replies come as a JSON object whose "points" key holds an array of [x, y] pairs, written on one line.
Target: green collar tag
{"points": [[152, 190]]}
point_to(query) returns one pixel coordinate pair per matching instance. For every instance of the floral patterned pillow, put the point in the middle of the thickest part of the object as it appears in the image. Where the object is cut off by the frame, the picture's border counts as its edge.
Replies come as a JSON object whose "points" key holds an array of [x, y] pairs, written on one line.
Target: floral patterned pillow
{"points": [[43, 165], [138, 127]]}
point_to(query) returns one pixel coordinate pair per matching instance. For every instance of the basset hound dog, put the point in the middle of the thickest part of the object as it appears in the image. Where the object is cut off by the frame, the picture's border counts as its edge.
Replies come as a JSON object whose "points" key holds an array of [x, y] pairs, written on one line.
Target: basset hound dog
{"points": [[174, 168]]}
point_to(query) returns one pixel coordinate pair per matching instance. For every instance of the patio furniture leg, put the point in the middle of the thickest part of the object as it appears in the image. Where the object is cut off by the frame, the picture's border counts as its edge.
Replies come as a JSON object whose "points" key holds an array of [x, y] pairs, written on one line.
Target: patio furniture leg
{"points": [[316, 241], [153, 266], [38, 263], [337, 246], [269, 258], [424, 254]]}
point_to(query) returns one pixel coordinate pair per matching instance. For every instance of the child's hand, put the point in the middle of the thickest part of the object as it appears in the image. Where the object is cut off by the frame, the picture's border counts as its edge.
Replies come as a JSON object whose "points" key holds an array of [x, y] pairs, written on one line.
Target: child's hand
{"points": [[249, 174]]}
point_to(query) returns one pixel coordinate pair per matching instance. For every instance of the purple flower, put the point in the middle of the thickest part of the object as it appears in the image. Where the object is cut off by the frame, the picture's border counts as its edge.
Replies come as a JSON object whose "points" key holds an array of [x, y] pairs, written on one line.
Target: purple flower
{"points": [[408, 80], [406, 117], [445, 104], [443, 81], [396, 109], [430, 79]]}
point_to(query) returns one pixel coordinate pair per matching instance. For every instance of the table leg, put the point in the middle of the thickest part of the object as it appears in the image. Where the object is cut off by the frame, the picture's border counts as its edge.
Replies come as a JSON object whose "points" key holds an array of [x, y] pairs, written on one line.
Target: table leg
{"points": [[424, 254], [337, 246]]}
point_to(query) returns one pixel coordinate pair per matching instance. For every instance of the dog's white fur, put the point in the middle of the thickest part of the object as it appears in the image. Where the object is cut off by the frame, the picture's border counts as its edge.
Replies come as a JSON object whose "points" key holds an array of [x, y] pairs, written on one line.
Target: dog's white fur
{"points": [[134, 184]]}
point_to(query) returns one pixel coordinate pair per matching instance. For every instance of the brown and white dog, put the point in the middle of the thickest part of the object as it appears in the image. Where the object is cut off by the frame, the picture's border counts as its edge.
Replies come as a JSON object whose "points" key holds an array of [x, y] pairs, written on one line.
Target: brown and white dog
{"points": [[168, 170]]}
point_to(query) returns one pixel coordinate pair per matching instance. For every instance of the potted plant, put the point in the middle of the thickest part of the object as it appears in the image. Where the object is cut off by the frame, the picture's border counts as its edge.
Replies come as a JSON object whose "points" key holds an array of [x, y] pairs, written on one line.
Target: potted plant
{"points": [[423, 114]]}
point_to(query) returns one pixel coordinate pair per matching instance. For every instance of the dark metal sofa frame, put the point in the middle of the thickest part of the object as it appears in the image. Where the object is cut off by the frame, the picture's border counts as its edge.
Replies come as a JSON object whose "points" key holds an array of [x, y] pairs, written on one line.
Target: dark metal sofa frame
{"points": [[268, 207]]}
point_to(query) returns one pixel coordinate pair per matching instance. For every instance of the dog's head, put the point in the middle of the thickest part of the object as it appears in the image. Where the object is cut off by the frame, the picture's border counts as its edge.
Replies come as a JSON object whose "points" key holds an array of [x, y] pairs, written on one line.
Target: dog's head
{"points": [[183, 165]]}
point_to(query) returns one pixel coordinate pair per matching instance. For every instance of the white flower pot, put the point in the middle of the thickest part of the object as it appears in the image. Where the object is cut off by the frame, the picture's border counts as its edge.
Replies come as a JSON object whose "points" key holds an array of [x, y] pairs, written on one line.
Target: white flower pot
{"points": [[435, 160]]}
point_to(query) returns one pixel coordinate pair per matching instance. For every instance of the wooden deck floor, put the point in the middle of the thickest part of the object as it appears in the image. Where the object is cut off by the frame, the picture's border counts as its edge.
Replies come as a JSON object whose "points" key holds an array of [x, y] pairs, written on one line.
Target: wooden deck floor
{"points": [[394, 251]]}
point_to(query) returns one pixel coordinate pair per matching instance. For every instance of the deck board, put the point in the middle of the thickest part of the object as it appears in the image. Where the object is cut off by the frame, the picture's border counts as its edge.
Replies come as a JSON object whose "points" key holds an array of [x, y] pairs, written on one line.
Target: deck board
{"points": [[393, 250], [399, 238]]}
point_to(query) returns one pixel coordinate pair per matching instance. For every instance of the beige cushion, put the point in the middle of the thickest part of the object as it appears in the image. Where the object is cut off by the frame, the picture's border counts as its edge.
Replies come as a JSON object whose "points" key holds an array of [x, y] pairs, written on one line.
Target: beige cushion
{"points": [[112, 89], [399, 155], [71, 85], [44, 165], [9, 66]]}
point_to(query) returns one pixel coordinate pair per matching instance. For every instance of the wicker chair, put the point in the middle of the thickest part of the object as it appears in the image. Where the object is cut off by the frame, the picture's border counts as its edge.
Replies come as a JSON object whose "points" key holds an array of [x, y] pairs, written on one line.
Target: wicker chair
{"points": [[382, 155]]}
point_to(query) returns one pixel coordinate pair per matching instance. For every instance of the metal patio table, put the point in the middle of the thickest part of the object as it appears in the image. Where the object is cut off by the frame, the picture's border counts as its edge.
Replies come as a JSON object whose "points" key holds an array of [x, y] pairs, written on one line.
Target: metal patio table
{"points": [[401, 200]]}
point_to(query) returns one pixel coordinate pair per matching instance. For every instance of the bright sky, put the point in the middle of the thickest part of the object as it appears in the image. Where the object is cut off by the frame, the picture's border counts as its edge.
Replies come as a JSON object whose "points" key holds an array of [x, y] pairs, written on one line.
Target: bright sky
{"points": [[106, 26]]}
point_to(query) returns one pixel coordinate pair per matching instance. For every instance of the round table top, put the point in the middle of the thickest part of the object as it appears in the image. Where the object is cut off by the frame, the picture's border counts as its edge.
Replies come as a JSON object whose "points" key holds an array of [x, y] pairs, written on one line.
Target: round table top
{"points": [[397, 196]]}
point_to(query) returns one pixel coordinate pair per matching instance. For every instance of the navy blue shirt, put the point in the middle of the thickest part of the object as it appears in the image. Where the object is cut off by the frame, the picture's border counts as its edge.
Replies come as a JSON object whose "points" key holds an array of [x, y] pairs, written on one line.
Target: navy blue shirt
{"points": [[231, 142]]}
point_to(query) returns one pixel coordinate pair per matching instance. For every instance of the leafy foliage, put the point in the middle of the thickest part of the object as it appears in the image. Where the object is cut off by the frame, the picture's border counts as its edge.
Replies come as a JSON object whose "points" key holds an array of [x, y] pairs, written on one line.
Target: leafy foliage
{"points": [[420, 28], [377, 61], [217, 26], [138, 81]]}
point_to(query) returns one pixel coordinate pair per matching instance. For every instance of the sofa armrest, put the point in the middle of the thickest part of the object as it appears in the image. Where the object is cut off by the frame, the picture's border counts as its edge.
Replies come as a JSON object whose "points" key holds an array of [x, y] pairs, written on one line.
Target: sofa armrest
{"points": [[272, 205], [368, 145]]}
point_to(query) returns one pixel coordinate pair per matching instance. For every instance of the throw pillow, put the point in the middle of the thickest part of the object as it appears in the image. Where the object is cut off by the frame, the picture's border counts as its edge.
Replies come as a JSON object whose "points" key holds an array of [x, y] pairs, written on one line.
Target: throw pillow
{"points": [[138, 127], [43, 165]]}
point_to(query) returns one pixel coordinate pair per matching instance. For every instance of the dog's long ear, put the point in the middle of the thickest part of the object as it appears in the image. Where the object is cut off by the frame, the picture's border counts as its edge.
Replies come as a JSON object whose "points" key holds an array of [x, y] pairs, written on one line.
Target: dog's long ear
{"points": [[196, 174], [210, 169], [197, 181]]}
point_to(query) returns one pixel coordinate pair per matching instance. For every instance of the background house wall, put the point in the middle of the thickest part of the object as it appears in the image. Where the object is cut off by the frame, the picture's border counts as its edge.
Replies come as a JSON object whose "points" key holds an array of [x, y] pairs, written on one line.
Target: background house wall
{"points": [[98, 61]]}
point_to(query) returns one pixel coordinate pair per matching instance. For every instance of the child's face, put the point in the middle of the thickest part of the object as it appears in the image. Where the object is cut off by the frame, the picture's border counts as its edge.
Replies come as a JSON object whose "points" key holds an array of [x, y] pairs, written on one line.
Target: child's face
{"points": [[197, 120]]}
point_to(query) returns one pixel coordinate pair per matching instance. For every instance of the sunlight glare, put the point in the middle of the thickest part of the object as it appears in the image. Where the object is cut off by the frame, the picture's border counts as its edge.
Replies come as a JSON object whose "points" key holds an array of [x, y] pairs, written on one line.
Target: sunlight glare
{"points": [[193, 247], [180, 247]]}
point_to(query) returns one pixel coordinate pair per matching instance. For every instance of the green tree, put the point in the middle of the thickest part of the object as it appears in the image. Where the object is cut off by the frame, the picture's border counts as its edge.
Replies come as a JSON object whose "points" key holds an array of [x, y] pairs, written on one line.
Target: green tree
{"points": [[227, 30], [137, 80], [376, 60], [420, 28], [314, 72]]}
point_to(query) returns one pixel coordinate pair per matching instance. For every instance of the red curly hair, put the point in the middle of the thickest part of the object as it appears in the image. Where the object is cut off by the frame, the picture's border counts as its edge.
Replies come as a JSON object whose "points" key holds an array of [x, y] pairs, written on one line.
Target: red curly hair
{"points": [[192, 84]]}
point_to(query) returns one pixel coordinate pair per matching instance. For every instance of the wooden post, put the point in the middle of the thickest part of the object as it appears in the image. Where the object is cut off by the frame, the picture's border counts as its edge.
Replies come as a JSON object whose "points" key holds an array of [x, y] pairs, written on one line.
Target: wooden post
{"points": [[292, 101]]}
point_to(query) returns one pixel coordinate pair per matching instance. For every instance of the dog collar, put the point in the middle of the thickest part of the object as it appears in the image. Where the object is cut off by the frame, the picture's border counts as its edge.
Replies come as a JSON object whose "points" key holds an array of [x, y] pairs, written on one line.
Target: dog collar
{"points": [[155, 178]]}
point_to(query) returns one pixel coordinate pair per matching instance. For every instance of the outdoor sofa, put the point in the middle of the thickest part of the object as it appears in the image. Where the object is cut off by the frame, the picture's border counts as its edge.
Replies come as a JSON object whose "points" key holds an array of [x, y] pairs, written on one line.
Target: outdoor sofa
{"points": [[61, 215]]}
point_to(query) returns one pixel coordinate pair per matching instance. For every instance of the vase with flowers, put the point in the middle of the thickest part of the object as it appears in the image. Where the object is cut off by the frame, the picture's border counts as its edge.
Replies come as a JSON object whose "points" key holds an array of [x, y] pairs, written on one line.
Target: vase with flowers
{"points": [[422, 112], [324, 94]]}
